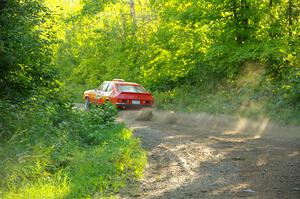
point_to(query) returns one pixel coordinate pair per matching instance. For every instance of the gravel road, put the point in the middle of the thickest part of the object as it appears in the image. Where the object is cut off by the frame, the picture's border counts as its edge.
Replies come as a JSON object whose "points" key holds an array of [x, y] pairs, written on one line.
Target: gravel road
{"points": [[205, 156]]}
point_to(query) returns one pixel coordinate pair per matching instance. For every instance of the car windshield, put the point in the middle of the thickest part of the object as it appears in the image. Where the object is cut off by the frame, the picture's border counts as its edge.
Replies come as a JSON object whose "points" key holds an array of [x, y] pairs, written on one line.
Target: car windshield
{"points": [[131, 88]]}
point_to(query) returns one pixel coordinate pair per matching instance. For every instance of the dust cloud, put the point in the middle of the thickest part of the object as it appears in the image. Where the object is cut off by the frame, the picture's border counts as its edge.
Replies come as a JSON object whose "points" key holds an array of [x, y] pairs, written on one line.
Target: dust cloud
{"points": [[209, 156]]}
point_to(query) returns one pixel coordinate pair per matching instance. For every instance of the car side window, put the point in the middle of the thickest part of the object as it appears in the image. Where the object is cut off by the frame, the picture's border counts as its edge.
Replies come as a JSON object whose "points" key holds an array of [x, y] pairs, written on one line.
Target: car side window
{"points": [[109, 88], [100, 87], [103, 86]]}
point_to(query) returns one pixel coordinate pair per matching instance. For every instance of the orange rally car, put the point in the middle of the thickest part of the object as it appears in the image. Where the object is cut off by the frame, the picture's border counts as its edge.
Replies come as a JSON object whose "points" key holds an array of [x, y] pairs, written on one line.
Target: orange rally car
{"points": [[120, 93]]}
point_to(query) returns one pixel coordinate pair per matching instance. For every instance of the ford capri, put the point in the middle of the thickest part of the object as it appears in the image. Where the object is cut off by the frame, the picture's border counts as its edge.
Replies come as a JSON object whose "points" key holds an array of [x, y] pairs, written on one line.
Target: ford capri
{"points": [[120, 93]]}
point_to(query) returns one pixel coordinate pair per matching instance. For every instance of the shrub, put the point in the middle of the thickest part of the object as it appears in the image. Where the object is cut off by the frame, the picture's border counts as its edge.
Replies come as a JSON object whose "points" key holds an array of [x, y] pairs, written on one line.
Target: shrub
{"points": [[50, 150]]}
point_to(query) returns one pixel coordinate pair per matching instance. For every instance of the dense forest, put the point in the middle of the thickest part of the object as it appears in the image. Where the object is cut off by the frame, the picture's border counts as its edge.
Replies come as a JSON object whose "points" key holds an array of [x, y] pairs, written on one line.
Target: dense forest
{"points": [[194, 55], [232, 57]]}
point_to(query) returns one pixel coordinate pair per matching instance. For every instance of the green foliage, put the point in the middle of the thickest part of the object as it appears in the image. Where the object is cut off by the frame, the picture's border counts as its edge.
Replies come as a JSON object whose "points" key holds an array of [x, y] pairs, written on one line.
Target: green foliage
{"points": [[167, 44], [48, 151], [291, 87], [26, 41], [250, 95], [116, 162]]}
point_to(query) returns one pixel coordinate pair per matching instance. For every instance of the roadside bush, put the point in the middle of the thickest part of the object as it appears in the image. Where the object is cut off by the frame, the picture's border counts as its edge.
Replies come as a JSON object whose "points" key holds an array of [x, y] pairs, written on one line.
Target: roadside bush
{"points": [[291, 87], [49, 150], [280, 104]]}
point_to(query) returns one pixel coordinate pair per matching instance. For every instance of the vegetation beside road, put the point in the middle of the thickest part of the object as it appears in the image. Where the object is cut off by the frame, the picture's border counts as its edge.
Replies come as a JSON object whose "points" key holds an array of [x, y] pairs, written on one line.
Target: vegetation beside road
{"points": [[48, 151], [47, 148], [250, 95]]}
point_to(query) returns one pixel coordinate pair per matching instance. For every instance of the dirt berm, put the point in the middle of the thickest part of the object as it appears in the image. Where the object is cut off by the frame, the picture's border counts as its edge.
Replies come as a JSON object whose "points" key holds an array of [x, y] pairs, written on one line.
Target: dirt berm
{"points": [[205, 156]]}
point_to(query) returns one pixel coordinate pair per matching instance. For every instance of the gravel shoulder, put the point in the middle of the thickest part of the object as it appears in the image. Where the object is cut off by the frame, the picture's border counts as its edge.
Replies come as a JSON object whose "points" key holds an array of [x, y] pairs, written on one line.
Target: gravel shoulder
{"points": [[205, 156]]}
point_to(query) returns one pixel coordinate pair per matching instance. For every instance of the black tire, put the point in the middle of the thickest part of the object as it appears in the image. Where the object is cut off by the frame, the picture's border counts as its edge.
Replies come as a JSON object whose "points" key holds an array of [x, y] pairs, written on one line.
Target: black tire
{"points": [[87, 104]]}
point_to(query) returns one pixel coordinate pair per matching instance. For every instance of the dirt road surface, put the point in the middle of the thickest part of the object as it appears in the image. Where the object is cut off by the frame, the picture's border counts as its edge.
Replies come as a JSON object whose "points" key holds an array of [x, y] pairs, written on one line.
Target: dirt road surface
{"points": [[205, 156]]}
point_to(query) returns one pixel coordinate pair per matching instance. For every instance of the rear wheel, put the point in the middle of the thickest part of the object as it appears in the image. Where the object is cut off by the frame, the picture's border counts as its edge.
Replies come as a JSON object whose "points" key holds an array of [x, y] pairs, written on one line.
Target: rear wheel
{"points": [[87, 104]]}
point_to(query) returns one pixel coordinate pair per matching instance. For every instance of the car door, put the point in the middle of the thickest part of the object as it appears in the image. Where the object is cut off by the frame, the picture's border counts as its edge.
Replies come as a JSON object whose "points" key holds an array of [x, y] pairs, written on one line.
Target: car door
{"points": [[100, 92], [107, 92]]}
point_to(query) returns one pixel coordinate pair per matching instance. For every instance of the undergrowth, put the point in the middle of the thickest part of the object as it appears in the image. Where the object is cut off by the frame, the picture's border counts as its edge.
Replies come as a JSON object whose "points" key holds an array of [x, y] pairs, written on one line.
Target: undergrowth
{"points": [[250, 95], [50, 150]]}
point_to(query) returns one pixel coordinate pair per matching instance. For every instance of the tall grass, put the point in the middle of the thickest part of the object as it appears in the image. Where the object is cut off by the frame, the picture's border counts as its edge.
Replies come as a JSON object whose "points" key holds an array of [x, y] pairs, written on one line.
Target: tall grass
{"points": [[49, 150]]}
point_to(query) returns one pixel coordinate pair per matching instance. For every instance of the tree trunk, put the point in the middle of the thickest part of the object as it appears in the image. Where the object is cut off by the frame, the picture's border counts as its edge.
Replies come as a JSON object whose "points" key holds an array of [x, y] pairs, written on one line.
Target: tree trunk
{"points": [[132, 9], [2, 4], [245, 20], [290, 20], [133, 16]]}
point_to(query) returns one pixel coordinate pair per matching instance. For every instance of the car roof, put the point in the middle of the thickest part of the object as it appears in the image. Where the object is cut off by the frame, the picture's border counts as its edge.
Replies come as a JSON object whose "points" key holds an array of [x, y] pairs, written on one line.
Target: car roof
{"points": [[123, 83]]}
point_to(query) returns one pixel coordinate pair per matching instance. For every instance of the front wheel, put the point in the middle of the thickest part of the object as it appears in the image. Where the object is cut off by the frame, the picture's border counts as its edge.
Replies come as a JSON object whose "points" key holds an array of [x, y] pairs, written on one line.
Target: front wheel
{"points": [[87, 104]]}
